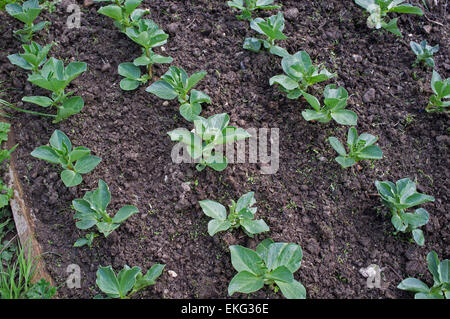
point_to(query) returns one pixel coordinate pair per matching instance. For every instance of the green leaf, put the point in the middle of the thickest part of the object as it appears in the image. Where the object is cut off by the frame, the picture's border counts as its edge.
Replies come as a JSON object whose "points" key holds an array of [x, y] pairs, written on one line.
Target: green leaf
{"points": [[129, 71], [60, 141], [279, 51], [87, 164], [102, 196], [407, 8], [127, 279], [255, 226], [413, 284], [156, 58], [337, 145], [163, 90], [108, 282], [292, 290], [245, 282], [345, 161], [418, 237], [284, 254], [81, 242], [444, 272], [74, 69], [190, 111], [124, 213], [150, 277], [311, 115], [213, 209], [392, 27], [252, 44], [263, 247], [285, 81], [78, 152], [245, 201], [71, 178], [433, 265], [217, 225], [345, 117], [16, 59], [194, 79], [417, 199], [129, 84], [371, 152], [70, 106], [46, 153], [193, 141], [112, 11], [281, 274], [244, 259], [217, 162]]}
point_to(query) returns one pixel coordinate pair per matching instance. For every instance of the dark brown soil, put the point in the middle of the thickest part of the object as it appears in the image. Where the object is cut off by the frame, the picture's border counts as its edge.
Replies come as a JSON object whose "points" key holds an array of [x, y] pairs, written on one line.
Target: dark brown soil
{"points": [[331, 212]]}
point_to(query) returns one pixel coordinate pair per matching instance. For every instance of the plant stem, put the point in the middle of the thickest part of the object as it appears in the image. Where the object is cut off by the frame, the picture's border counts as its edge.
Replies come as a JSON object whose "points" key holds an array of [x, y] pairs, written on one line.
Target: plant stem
{"points": [[7, 104]]}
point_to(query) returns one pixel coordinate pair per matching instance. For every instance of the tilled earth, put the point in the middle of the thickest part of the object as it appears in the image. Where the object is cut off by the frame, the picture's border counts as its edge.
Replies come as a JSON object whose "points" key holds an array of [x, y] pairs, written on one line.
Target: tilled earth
{"points": [[334, 214]]}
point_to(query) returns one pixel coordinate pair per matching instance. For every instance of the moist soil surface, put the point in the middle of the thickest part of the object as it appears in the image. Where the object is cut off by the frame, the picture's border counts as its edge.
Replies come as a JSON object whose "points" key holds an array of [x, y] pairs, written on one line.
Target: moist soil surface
{"points": [[333, 213]]}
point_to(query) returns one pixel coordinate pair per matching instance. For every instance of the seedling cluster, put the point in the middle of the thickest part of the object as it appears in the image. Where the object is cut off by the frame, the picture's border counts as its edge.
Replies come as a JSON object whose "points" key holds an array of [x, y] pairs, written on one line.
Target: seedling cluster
{"points": [[273, 263]]}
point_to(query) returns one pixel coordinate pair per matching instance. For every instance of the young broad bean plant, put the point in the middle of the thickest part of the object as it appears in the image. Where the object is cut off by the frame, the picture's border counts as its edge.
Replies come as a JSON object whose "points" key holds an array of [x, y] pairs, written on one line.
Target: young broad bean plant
{"points": [[401, 196], [33, 57], [360, 148], [441, 277], [334, 107], [147, 34], [424, 53], [176, 83], [127, 282], [378, 10], [272, 28], [204, 144], [124, 12], [87, 240], [242, 214], [55, 77], [440, 100], [91, 211], [75, 161], [26, 13], [300, 73], [272, 264], [248, 6]]}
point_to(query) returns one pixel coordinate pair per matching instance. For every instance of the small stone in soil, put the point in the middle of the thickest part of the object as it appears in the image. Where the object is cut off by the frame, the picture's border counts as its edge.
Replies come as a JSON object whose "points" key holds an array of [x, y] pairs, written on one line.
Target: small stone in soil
{"points": [[369, 96]]}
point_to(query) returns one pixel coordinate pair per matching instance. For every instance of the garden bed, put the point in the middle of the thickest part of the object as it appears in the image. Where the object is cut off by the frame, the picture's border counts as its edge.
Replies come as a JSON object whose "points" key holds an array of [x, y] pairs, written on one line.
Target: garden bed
{"points": [[333, 213]]}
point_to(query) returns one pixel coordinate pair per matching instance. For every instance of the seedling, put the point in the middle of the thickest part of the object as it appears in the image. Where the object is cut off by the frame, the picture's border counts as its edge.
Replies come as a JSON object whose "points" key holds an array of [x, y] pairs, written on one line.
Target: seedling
{"points": [[241, 215], [91, 211], [75, 161], [124, 12], [4, 130], [398, 198], [272, 28], [26, 13], [378, 10], [248, 6], [334, 107], [33, 57], [441, 277], [55, 77], [272, 264], [147, 34], [176, 83], [424, 53], [87, 240], [361, 148], [127, 282], [441, 89], [300, 73], [204, 144]]}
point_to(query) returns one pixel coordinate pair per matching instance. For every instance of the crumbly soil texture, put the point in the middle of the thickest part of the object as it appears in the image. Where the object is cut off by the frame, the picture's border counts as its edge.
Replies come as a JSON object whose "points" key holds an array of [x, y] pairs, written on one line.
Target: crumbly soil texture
{"points": [[334, 214]]}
